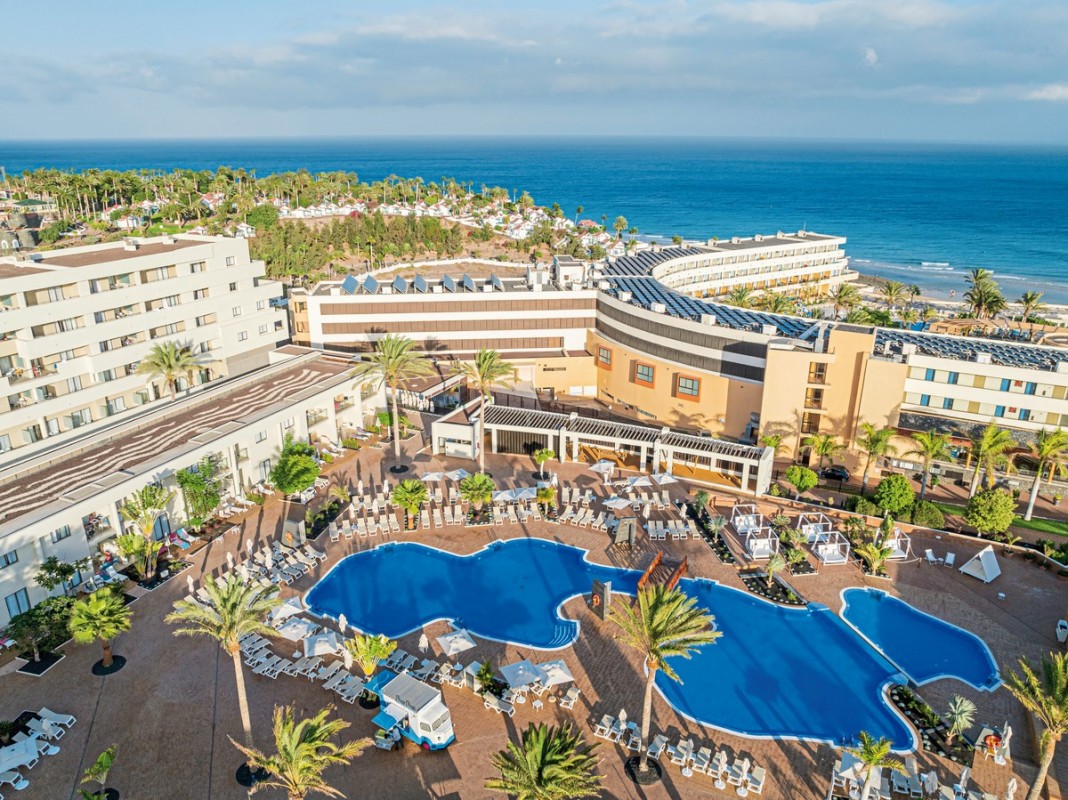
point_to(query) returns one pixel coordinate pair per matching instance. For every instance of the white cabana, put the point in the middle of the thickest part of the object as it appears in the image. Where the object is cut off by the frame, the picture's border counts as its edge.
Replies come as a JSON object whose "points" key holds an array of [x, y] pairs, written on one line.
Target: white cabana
{"points": [[746, 518], [761, 543], [983, 565], [664, 478], [321, 644], [831, 548], [520, 674], [297, 628], [900, 545], [812, 526], [456, 642], [287, 609], [457, 474], [554, 673]]}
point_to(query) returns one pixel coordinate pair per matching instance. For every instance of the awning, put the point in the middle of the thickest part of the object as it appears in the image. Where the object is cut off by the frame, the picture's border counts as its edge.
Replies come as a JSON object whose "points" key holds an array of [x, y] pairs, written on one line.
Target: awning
{"points": [[389, 716]]}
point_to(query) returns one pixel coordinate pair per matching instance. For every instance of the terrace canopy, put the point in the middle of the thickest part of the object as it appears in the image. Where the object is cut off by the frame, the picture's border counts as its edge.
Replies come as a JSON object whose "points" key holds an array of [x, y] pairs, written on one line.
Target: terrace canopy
{"points": [[745, 518], [761, 543], [831, 548], [813, 526], [900, 545]]}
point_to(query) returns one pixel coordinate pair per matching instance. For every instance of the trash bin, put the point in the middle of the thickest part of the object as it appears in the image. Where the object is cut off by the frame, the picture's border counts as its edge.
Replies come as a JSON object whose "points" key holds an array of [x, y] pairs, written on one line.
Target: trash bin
{"points": [[1062, 631]]}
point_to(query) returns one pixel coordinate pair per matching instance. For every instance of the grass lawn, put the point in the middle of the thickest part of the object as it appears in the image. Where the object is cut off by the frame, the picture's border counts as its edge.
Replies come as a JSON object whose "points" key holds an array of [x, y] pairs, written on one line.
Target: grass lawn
{"points": [[1049, 526]]}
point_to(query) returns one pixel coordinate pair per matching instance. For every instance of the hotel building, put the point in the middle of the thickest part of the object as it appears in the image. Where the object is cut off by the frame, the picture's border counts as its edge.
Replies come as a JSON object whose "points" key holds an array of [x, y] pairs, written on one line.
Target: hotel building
{"points": [[75, 323]]}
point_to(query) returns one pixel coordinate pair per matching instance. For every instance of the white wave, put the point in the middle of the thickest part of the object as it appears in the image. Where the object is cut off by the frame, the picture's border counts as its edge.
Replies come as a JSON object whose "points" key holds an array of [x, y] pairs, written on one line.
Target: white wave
{"points": [[934, 263]]}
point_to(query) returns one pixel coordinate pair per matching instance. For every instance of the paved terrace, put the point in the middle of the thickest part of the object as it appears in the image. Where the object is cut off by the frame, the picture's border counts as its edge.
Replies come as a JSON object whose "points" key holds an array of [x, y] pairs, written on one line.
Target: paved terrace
{"points": [[140, 445], [173, 706]]}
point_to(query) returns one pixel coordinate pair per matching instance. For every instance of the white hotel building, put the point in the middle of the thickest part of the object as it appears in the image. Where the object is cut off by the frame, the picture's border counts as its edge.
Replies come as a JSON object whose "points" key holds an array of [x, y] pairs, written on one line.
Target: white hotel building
{"points": [[76, 322]]}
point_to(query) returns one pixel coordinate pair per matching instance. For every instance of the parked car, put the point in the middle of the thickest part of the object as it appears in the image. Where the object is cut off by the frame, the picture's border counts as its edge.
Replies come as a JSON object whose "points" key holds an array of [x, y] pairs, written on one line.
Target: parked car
{"points": [[835, 472]]}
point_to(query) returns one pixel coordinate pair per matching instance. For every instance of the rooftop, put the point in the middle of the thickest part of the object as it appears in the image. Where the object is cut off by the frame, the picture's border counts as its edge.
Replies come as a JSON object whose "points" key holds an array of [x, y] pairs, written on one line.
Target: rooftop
{"points": [[116, 251]]}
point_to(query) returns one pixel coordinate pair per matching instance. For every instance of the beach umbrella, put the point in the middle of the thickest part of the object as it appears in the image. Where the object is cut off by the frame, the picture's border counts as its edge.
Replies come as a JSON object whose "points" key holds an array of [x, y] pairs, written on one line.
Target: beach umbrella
{"points": [[641, 480], [359, 486], [189, 581], [285, 610], [520, 674], [606, 469], [526, 494], [647, 509], [664, 478], [930, 783], [963, 783], [554, 673], [503, 496], [457, 474], [456, 642], [319, 644], [622, 716], [424, 643], [242, 570], [270, 560], [1010, 791], [347, 657], [230, 560], [385, 486], [342, 622], [432, 476], [248, 546]]}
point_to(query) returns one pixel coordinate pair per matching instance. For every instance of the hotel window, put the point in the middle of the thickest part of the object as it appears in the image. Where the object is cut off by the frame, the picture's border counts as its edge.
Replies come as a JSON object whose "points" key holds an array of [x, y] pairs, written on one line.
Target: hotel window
{"points": [[196, 266], [814, 398], [200, 294], [929, 375], [74, 384], [59, 534], [999, 411], [7, 559], [230, 261], [17, 603], [233, 287], [817, 372], [688, 387], [947, 403], [261, 304], [264, 329], [925, 399], [261, 436], [644, 374], [55, 293], [287, 422], [810, 423], [242, 336], [171, 301], [5, 443], [236, 311], [604, 356], [953, 378]]}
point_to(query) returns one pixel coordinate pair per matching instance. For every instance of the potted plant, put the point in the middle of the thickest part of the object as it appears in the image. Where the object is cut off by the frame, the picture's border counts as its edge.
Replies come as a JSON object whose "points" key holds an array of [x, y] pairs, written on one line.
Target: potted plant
{"points": [[98, 773]]}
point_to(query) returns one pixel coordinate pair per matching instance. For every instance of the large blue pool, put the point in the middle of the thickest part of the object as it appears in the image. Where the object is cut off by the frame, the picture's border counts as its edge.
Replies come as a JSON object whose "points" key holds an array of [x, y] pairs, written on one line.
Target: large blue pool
{"points": [[775, 672]]}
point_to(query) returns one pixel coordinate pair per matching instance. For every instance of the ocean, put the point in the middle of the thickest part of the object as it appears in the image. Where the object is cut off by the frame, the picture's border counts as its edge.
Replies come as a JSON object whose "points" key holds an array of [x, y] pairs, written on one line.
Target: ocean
{"points": [[922, 214]]}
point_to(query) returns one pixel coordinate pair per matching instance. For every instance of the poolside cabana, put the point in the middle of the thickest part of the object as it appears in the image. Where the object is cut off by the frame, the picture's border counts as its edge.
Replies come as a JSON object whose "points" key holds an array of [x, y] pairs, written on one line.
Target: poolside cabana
{"points": [[831, 548], [900, 545], [745, 518], [813, 526], [761, 543], [983, 565]]}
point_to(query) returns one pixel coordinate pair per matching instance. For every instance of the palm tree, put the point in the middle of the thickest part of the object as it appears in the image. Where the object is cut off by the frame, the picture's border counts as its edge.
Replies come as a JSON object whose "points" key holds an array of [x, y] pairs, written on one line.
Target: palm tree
{"points": [[844, 295], [775, 564], [340, 493], [872, 753], [664, 623], [101, 616], [772, 440], [169, 361], [409, 495], [393, 362], [988, 452], [893, 292], [477, 489], [825, 445], [1050, 450], [739, 296], [368, 650], [930, 447], [143, 508], [984, 297], [776, 303], [874, 443], [483, 375], [1032, 304], [875, 555], [542, 457], [960, 716], [1045, 696], [304, 751], [236, 609], [550, 763]]}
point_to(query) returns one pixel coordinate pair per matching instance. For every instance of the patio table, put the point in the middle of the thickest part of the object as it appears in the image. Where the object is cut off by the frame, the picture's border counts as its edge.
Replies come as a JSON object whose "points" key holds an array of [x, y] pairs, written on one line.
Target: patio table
{"points": [[18, 754]]}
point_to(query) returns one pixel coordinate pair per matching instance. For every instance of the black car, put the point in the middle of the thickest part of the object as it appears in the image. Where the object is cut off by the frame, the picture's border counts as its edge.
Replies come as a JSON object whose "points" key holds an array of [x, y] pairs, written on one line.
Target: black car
{"points": [[835, 473]]}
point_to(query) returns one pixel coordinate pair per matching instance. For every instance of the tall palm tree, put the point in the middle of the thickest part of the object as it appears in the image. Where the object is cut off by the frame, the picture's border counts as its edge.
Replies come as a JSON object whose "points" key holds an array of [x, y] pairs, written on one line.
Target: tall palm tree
{"points": [[989, 451], [304, 750], [1050, 450], [1032, 304], [844, 295], [662, 624], [409, 495], [393, 362], [143, 508], [1046, 696], [484, 374], [930, 447], [825, 445], [236, 609], [739, 296], [772, 440], [169, 361], [874, 443], [550, 763], [777, 303], [873, 754], [101, 616], [893, 292], [983, 297], [368, 650]]}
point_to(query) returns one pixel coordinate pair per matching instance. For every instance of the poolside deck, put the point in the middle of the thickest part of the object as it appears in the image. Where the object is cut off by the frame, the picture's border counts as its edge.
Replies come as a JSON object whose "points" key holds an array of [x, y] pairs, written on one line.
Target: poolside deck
{"points": [[171, 709]]}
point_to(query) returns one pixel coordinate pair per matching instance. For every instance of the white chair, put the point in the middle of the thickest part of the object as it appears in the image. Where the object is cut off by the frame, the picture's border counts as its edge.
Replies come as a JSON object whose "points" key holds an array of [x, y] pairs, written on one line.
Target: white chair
{"points": [[951, 559], [656, 747], [737, 772], [66, 720], [568, 700], [13, 779], [603, 729], [754, 781], [931, 557]]}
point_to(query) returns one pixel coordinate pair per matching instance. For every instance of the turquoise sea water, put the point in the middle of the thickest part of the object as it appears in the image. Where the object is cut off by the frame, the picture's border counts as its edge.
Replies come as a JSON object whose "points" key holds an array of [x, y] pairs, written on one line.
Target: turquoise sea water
{"points": [[775, 671], [919, 213]]}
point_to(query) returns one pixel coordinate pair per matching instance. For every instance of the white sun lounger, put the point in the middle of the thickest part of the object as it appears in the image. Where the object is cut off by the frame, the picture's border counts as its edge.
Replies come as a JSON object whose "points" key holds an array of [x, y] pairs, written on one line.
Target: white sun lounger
{"points": [[336, 680], [66, 720]]}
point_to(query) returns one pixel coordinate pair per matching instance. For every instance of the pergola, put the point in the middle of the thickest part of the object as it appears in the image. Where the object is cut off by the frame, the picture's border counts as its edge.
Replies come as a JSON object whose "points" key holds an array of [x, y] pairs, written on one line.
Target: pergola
{"points": [[745, 518], [831, 548], [761, 543], [812, 526], [900, 545]]}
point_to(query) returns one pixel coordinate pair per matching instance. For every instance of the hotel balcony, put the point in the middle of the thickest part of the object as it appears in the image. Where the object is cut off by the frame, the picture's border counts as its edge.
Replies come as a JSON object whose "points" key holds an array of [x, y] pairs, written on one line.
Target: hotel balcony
{"points": [[316, 416]]}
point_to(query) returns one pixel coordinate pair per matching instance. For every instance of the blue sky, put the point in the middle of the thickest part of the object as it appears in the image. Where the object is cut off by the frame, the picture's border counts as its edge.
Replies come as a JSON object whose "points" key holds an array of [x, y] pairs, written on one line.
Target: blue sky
{"points": [[941, 70]]}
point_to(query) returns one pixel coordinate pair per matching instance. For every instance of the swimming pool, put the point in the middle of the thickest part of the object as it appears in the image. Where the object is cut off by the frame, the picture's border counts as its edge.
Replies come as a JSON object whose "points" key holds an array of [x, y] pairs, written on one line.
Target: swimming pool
{"points": [[926, 648], [776, 671]]}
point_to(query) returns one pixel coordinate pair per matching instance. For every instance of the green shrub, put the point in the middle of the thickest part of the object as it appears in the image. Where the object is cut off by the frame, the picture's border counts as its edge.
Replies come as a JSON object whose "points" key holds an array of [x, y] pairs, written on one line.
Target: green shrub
{"points": [[894, 494], [255, 497], [991, 511], [927, 514], [862, 505], [350, 443], [775, 491]]}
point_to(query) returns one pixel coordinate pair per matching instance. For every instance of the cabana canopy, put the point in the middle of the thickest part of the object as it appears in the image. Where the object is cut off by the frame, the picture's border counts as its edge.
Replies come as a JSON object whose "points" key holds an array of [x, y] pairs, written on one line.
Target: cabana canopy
{"points": [[831, 548], [983, 565], [813, 525], [900, 545], [761, 542], [746, 518]]}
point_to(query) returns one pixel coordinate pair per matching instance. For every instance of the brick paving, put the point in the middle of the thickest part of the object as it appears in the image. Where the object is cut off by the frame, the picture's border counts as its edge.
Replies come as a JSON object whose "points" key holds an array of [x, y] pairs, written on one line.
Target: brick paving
{"points": [[173, 706]]}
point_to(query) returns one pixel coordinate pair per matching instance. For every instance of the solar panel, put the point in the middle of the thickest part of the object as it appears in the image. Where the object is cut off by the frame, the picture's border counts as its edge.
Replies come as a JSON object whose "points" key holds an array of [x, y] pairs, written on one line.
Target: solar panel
{"points": [[350, 285], [448, 283], [420, 284], [400, 286], [370, 285], [469, 285], [496, 282]]}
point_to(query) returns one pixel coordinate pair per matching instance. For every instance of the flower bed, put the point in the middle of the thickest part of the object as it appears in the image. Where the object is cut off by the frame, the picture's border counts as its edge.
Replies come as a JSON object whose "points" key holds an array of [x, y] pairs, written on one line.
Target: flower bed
{"points": [[933, 731], [478, 519], [757, 583]]}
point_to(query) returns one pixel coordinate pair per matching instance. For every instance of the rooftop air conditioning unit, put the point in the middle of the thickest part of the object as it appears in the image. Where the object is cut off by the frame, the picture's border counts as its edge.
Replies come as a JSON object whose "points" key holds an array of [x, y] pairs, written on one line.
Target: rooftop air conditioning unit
{"points": [[758, 238], [908, 349], [604, 286], [625, 297], [982, 358], [129, 244], [735, 240], [438, 288], [708, 319], [769, 330], [658, 308]]}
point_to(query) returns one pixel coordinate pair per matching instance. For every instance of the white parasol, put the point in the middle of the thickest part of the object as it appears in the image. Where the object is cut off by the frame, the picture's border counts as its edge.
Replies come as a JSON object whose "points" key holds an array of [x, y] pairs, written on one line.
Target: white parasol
{"points": [[432, 476], [248, 546], [930, 783], [622, 716], [664, 478], [269, 560], [242, 570], [520, 674], [424, 643], [359, 486], [503, 496], [297, 628], [346, 656], [640, 480], [230, 560], [320, 644], [342, 622], [457, 474], [526, 494], [285, 610], [554, 673], [617, 502], [1010, 791], [190, 582], [456, 642]]}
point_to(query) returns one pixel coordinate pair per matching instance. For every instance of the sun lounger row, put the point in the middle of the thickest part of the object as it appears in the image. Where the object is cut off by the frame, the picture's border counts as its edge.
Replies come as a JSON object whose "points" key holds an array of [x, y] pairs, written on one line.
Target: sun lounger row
{"points": [[740, 772], [42, 731], [675, 529]]}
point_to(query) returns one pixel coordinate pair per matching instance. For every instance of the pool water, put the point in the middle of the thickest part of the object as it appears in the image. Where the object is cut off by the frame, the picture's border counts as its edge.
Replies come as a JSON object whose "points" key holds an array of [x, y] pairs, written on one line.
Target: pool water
{"points": [[924, 647], [775, 672]]}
